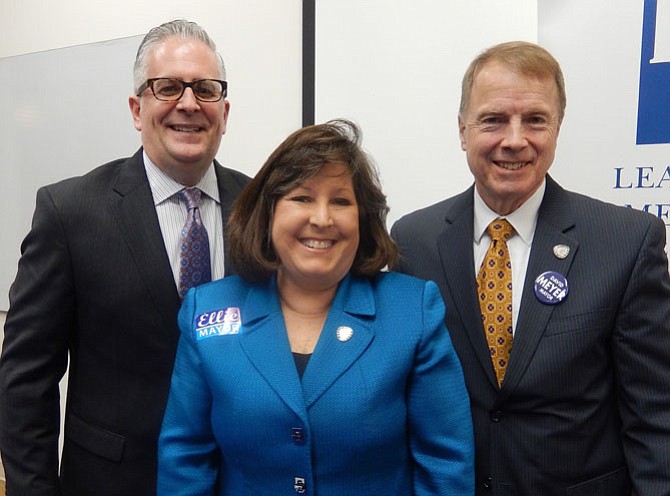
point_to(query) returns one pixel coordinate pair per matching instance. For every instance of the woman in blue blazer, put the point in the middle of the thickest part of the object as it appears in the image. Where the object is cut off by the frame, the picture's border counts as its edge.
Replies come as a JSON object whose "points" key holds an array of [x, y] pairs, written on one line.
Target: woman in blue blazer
{"points": [[313, 372]]}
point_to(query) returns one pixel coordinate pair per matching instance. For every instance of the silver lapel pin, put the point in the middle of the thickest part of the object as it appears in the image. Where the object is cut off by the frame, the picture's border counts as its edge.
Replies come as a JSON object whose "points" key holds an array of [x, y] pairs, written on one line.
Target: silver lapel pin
{"points": [[561, 251], [344, 333]]}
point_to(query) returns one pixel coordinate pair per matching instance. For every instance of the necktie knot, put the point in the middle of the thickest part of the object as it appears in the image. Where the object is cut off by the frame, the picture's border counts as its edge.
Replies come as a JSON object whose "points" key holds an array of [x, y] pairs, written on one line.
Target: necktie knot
{"points": [[500, 229], [190, 196]]}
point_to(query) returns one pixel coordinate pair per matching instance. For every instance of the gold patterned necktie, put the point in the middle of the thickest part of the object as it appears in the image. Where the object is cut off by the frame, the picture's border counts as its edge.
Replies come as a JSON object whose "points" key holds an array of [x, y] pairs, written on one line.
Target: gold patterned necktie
{"points": [[494, 283]]}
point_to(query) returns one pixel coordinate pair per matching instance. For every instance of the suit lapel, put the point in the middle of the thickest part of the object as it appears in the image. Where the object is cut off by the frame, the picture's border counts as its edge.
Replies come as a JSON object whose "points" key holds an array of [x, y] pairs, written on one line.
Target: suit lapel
{"points": [[332, 357], [456, 254], [265, 343], [554, 220], [136, 216]]}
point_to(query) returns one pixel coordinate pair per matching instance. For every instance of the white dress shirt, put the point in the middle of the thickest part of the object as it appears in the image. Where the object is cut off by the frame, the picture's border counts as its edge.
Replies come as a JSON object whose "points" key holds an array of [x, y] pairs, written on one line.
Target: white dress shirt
{"points": [[172, 215], [524, 220]]}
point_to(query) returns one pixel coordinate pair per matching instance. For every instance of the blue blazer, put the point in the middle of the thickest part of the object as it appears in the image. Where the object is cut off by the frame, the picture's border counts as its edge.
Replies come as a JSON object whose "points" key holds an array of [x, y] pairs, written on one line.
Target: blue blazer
{"points": [[382, 412], [585, 405]]}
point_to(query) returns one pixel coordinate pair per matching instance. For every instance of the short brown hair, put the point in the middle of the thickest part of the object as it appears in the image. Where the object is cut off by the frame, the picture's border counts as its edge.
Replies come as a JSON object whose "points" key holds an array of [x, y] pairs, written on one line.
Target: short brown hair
{"points": [[300, 157], [526, 58]]}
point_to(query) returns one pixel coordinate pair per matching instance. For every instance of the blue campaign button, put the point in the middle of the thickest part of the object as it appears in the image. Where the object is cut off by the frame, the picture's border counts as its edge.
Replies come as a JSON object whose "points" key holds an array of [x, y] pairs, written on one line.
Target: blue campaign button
{"points": [[551, 287]]}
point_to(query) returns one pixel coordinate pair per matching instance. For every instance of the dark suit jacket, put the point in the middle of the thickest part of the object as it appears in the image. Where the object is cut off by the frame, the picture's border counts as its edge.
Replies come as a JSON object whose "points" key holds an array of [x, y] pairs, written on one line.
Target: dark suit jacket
{"points": [[585, 405], [93, 280]]}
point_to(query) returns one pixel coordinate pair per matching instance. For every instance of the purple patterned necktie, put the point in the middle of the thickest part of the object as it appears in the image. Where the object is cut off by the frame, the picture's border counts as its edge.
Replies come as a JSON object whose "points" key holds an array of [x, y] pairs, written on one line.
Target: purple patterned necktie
{"points": [[194, 264]]}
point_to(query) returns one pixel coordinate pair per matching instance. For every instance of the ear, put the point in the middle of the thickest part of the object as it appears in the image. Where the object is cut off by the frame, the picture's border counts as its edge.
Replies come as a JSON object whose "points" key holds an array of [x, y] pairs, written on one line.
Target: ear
{"points": [[226, 110], [461, 133], [134, 104]]}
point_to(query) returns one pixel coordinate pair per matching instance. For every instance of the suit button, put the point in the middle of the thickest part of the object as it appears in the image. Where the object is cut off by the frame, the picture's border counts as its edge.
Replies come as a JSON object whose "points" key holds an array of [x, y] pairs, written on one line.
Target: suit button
{"points": [[496, 416], [299, 485], [298, 435], [488, 483]]}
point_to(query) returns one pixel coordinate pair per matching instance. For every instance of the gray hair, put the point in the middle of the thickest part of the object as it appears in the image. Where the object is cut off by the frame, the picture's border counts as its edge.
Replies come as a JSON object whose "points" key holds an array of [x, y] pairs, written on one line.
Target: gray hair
{"points": [[179, 28]]}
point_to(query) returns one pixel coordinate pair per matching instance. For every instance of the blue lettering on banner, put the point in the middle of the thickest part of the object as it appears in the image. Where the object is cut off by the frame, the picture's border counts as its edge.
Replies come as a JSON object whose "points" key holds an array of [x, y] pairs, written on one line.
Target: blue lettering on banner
{"points": [[653, 124], [222, 322], [646, 177], [660, 210]]}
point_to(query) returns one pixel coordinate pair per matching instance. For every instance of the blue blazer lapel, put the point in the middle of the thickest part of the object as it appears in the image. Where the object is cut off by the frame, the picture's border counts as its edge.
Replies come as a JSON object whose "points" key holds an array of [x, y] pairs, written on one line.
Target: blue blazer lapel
{"points": [[554, 220], [138, 222], [458, 263], [265, 342], [353, 306]]}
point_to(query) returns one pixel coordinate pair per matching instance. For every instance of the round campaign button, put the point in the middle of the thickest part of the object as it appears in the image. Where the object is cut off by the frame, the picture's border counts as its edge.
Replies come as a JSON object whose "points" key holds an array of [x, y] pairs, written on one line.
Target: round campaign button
{"points": [[551, 287]]}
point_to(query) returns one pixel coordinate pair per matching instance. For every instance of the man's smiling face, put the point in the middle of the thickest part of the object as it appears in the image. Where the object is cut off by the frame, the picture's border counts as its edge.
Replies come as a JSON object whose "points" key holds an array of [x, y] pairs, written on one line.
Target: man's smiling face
{"points": [[181, 137], [509, 132]]}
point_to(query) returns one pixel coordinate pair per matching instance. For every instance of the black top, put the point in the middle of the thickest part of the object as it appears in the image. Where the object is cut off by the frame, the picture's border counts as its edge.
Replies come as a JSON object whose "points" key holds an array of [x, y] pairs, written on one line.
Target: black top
{"points": [[301, 362]]}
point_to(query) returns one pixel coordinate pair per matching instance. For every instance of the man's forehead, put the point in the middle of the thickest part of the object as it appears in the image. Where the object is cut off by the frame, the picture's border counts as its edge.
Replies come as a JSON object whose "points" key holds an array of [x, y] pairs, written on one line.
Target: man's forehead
{"points": [[527, 74], [492, 90]]}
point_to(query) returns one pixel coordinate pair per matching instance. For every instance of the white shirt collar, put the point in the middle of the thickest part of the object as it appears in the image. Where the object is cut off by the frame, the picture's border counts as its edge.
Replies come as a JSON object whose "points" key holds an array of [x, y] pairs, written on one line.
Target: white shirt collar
{"points": [[523, 219], [163, 187]]}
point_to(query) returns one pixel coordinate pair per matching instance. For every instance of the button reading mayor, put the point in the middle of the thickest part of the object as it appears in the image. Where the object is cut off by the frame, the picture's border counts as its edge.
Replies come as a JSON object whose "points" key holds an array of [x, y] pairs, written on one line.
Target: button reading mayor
{"points": [[551, 287]]}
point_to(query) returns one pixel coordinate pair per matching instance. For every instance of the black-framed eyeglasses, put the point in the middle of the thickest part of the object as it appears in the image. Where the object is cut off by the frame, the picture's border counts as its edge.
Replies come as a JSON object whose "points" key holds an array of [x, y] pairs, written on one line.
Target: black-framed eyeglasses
{"points": [[172, 89]]}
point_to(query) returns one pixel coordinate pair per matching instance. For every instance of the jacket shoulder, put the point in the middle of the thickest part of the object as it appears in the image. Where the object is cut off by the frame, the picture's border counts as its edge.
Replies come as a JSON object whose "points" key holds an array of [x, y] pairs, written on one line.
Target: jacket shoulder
{"points": [[393, 282], [102, 175], [610, 216], [230, 289], [435, 215], [431, 212], [236, 177]]}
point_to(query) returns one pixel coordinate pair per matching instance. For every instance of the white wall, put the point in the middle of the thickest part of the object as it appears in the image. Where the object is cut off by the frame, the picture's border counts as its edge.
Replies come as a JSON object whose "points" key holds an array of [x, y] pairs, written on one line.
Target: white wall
{"points": [[396, 69]]}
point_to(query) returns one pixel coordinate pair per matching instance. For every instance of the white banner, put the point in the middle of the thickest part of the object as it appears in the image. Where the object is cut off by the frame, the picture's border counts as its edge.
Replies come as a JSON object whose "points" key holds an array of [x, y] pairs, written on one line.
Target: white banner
{"points": [[615, 139]]}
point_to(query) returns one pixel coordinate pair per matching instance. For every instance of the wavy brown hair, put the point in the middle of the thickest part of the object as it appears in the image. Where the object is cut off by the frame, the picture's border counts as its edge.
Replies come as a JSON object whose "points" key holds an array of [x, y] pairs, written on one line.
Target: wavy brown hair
{"points": [[299, 158]]}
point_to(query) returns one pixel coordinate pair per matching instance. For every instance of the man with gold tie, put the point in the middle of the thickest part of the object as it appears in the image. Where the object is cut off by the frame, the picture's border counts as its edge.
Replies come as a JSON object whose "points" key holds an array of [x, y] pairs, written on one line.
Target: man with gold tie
{"points": [[558, 304]]}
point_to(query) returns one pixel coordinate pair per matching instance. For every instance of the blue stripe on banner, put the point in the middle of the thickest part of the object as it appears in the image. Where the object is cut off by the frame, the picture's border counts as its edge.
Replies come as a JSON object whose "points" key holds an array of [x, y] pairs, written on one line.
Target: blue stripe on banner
{"points": [[653, 121]]}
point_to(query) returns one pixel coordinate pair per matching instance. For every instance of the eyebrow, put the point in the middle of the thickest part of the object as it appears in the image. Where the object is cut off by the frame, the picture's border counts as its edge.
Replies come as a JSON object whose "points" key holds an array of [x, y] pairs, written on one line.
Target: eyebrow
{"points": [[499, 113], [345, 189]]}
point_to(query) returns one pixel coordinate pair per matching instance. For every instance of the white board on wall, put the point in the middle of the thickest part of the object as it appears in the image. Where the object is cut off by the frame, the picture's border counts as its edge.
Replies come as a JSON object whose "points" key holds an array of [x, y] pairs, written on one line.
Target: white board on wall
{"points": [[65, 111]]}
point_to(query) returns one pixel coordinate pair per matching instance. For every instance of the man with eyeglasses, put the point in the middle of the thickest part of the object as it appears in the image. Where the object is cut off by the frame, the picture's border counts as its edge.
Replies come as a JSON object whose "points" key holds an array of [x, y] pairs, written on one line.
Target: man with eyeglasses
{"points": [[99, 281]]}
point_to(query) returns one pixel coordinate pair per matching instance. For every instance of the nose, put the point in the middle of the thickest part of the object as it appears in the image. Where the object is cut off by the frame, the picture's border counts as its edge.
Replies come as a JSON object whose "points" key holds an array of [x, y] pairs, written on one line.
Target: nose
{"points": [[515, 136], [188, 101], [320, 215]]}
